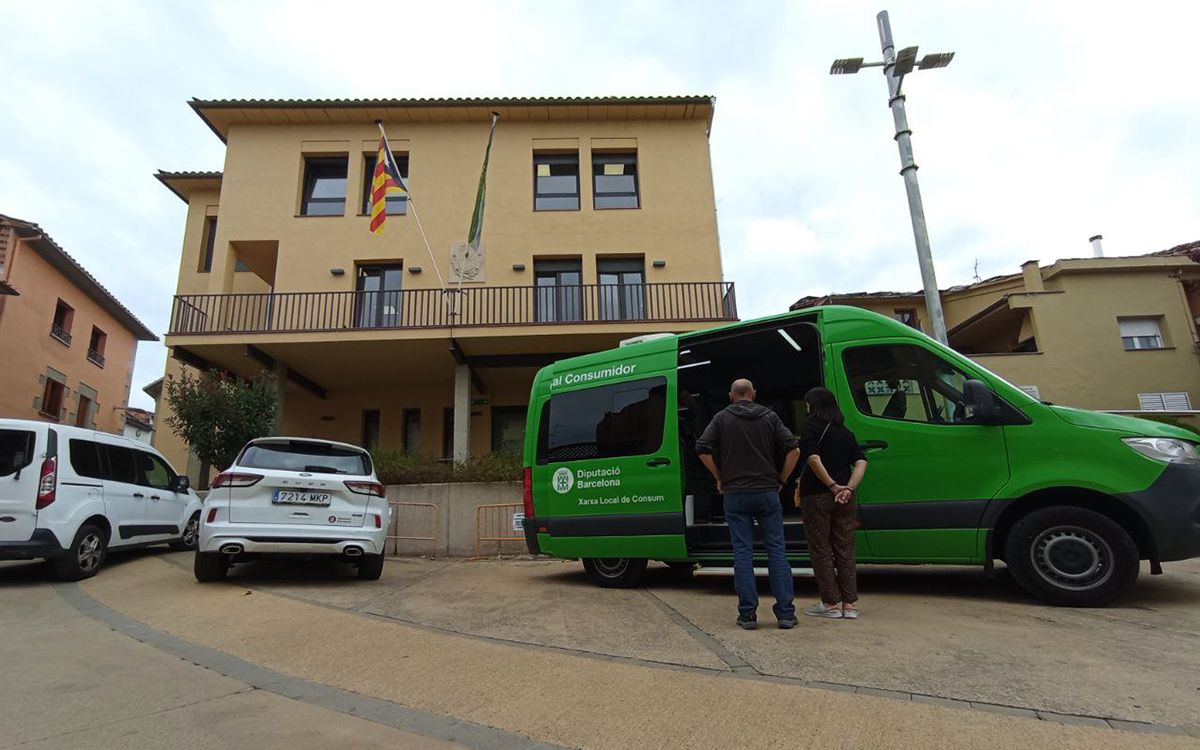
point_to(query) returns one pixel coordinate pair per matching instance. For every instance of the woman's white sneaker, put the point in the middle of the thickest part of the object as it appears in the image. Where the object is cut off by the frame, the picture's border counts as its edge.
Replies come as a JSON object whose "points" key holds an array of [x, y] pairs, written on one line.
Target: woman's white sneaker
{"points": [[820, 610]]}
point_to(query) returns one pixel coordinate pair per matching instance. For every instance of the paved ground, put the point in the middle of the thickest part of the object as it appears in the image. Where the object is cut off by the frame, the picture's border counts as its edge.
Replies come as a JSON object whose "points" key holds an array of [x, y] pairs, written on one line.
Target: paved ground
{"points": [[529, 649]]}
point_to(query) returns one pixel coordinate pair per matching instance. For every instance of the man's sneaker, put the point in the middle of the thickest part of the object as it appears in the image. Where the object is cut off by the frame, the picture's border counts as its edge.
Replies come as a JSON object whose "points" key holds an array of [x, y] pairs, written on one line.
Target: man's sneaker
{"points": [[850, 613], [747, 622], [820, 610], [787, 623]]}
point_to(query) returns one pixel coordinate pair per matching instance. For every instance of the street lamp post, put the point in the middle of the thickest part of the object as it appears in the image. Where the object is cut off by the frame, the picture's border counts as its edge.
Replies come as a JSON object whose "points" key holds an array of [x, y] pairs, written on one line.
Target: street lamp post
{"points": [[895, 67]]}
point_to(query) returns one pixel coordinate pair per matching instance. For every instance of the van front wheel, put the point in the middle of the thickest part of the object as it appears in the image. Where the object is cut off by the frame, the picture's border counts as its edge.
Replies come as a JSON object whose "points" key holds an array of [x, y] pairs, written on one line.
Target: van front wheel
{"points": [[1071, 556], [615, 572]]}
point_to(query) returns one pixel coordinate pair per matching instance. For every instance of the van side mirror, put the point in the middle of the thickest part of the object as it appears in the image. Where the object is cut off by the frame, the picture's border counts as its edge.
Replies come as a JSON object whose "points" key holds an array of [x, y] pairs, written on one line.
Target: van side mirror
{"points": [[981, 404], [181, 484]]}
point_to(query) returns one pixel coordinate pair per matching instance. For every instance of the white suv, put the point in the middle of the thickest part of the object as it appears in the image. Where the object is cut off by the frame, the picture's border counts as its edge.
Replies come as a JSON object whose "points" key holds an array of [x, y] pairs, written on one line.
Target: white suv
{"points": [[298, 496], [70, 494]]}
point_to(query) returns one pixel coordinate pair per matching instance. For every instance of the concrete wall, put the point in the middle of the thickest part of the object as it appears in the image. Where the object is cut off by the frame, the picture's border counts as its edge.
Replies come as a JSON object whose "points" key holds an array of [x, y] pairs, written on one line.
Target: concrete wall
{"points": [[457, 504]]}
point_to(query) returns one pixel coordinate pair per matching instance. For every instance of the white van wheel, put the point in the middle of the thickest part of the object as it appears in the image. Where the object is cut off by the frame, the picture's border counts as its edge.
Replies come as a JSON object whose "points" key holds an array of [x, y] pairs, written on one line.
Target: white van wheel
{"points": [[191, 532], [85, 556], [615, 572]]}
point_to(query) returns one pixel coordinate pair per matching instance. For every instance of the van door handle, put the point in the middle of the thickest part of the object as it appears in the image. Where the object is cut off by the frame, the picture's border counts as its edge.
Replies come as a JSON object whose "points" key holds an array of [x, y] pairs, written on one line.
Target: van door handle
{"points": [[659, 462], [138, 495], [155, 497], [873, 445]]}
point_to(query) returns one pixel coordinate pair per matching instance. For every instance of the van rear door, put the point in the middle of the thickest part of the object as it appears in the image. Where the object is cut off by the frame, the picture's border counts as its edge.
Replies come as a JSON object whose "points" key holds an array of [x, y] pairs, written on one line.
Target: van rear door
{"points": [[20, 465]]}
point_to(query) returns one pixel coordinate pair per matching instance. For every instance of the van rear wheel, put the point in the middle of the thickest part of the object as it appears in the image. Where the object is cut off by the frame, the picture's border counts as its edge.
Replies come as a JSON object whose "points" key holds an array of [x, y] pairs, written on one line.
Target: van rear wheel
{"points": [[615, 572], [1072, 557], [86, 555]]}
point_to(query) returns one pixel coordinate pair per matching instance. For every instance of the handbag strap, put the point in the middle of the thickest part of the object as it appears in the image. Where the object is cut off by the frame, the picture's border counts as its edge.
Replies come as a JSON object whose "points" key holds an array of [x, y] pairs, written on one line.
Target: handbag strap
{"points": [[819, 441]]}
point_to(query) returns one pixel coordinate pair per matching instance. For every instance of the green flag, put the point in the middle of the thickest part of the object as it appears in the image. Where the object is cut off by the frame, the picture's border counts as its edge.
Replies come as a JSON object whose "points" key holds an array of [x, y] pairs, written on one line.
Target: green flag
{"points": [[476, 233]]}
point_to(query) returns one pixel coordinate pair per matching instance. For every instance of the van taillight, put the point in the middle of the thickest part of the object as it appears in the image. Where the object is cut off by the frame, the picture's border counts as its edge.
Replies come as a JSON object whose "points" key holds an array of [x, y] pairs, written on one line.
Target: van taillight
{"points": [[527, 491], [47, 483], [231, 479]]}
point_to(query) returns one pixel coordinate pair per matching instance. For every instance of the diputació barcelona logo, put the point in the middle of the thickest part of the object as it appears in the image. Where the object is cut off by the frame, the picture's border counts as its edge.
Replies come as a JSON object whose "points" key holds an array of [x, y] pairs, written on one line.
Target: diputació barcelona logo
{"points": [[563, 480]]}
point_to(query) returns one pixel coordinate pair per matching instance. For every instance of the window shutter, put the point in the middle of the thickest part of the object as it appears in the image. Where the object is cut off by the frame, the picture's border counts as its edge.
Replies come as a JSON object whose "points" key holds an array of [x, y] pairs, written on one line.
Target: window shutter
{"points": [[1176, 402], [1139, 327], [1151, 402]]}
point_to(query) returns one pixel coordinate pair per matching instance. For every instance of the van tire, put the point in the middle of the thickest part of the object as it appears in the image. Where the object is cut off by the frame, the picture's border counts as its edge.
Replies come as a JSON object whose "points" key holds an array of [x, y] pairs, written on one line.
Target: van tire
{"points": [[210, 566], [1072, 557], [86, 554], [189, 538], [615, 572], [370, 567]]}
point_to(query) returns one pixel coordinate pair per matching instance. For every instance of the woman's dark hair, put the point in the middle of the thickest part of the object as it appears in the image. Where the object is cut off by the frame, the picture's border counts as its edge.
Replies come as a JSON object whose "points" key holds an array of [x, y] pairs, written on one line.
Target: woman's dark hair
{"points": [[823, 406]]}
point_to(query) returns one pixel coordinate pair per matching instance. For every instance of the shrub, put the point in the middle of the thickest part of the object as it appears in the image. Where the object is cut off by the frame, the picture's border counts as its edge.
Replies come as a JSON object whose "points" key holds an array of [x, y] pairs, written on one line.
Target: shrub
{"points": [[395, 467], [1181, 422]]}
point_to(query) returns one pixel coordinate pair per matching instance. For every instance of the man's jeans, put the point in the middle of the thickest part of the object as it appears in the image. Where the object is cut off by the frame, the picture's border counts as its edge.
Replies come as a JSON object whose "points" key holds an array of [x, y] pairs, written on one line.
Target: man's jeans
{"points": [[742, 509]]}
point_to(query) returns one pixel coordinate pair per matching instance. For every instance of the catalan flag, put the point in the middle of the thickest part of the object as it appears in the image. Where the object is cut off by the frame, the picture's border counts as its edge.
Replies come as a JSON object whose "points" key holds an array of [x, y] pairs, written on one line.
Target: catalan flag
{"points": [[386, 181]]}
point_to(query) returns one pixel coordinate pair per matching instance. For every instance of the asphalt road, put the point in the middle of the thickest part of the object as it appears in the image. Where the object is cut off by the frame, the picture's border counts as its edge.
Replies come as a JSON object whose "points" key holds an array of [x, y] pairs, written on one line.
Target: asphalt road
{"points": [[519, 653]]}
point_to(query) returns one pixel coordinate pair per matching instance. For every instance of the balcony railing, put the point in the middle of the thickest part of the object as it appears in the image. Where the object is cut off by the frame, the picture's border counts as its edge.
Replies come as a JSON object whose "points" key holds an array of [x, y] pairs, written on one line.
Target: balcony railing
{"points": [[60, 333], [95, 357], [299, 312]]}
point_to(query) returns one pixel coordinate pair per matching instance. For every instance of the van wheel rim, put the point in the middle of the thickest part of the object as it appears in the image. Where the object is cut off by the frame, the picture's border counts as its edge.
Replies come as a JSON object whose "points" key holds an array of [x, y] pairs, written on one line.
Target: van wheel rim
{"points": [[89, 553], [611, 567], [1072, 557], [189, 532]]}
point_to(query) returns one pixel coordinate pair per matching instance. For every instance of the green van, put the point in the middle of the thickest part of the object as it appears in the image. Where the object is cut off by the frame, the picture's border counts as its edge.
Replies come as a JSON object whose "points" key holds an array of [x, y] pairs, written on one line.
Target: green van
{"points": [[964, 468]]}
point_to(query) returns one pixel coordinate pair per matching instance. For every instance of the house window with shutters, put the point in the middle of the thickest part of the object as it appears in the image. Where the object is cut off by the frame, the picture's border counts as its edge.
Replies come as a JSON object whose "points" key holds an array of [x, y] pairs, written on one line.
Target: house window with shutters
{"points": [[1141, 333], [1178, 401]]}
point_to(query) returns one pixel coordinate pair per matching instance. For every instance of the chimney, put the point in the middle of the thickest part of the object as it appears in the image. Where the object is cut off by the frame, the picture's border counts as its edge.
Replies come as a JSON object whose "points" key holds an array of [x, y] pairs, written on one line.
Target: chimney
{"points": [[1033, 276], [1097, 248]]}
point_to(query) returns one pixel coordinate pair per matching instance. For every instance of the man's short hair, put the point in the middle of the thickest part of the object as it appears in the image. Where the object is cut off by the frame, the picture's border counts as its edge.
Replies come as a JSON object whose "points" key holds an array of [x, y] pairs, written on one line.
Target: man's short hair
{"points": [[741, 387]]}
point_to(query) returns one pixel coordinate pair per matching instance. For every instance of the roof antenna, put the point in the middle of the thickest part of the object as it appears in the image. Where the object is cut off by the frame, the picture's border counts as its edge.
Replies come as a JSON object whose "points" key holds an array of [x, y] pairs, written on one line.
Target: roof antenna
{"points": [[977, 276]]}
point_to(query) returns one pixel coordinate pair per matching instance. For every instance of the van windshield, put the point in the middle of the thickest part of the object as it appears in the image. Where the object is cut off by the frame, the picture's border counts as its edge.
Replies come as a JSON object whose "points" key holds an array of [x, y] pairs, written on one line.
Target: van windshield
{"points": [[300, 455], [16, 451]]}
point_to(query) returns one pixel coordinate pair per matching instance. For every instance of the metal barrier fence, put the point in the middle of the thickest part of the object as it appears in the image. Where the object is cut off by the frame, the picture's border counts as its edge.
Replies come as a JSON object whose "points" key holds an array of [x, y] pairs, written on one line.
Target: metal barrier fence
{"points": [[494, 523], [401, 510]]}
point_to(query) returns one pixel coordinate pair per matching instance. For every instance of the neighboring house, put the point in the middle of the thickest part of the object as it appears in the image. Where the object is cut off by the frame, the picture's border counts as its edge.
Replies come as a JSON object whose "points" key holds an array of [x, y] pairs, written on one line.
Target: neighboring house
{"points": [[600, 225], [1110, 334], [66, 343], [139, 425]]}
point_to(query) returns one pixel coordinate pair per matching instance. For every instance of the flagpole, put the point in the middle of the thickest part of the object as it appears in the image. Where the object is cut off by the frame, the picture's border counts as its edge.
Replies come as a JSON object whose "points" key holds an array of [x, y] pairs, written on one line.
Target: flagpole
{"points": [[413, 205], [475, 233]]}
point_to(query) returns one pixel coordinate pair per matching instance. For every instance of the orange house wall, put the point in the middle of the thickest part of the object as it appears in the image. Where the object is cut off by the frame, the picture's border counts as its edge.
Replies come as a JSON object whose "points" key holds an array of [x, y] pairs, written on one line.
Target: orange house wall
{"points": [[27, 349]]}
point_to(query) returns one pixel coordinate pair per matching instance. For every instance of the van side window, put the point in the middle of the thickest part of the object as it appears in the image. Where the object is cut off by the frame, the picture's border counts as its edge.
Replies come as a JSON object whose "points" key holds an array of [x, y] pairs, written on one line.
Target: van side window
{"points": [[608, 421], [905, 382], [85, 459], [153, 471], [121, 464]]}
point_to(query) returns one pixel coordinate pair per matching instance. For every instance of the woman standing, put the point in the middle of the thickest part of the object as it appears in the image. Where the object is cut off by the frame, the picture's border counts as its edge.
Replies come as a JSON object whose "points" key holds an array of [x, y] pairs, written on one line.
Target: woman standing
{"points": [[834, 466]]}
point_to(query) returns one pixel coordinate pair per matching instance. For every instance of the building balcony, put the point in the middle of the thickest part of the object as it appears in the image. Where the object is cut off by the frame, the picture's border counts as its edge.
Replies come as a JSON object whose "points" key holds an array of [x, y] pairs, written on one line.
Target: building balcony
{"points": [[468, 307]]}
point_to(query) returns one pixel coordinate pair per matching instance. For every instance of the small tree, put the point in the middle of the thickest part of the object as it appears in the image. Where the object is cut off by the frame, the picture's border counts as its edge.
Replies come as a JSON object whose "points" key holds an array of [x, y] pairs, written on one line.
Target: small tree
{"points": [[216, 414]]}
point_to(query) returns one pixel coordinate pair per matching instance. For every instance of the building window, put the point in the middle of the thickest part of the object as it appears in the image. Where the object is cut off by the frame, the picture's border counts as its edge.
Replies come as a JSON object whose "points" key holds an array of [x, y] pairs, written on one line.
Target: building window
{"points": [[905, 382], [395, 204], [96, 345], [1141, 333], [448, 432], [60, 327], [412, 431], [379, 295], [1164, 401], [210, 238], [556, 182], [508, 429], [82, 413], [324, 186], [52, 399], [370, 429], [614, 180], [608, 421], [559, 294], [622, 288], [908, 316]]}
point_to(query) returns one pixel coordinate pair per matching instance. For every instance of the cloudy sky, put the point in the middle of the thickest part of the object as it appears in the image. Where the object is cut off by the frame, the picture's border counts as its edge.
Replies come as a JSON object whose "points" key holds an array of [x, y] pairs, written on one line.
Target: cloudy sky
{"points": [[1055, 121]]}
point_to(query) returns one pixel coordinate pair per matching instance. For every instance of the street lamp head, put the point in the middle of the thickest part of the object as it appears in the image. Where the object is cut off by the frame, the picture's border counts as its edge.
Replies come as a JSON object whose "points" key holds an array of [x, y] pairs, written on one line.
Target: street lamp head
{"points": [[905, 59], [936, 60], [846, 65]]}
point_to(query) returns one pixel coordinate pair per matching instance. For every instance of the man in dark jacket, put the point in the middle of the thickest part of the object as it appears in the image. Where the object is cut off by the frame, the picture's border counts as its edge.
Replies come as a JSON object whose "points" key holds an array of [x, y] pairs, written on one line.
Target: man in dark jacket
{"points": [[751, 455]]}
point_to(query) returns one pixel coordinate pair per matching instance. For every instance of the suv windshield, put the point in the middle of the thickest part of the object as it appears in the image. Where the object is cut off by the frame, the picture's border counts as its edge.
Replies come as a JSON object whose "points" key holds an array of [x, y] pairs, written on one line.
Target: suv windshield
{"points": [[299, 455], [16, 451]]}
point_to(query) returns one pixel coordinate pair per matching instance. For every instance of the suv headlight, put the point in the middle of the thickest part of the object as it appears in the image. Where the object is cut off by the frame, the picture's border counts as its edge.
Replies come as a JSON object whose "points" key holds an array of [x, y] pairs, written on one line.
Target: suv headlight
{"points": [[1165, 449]]}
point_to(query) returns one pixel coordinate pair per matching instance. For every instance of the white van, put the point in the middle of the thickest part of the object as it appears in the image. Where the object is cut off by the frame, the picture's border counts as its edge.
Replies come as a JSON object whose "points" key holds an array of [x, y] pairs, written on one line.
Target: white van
{"points": [[69, 494]]}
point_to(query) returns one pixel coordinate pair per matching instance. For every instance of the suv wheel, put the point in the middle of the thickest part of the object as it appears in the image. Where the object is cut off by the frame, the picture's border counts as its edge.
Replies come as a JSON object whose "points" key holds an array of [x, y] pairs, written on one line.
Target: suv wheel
{"points": [[210, 566], [1072, 556], [85, 556], [615, 572], [191, 533], [370, 567]]}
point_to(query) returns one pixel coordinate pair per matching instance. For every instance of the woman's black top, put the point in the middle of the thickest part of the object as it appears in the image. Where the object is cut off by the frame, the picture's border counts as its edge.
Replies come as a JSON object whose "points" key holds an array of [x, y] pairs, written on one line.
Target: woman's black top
{"points": [[838, 451]]}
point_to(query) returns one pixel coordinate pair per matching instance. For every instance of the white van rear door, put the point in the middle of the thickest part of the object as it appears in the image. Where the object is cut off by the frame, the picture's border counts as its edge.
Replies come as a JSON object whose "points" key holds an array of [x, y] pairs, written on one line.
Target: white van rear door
{"points": [[21, 450]]}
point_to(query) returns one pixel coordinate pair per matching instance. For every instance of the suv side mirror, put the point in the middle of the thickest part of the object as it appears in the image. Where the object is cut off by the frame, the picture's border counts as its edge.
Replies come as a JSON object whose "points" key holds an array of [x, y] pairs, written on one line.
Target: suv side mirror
{"points": [[982, 406], [181, 484]]}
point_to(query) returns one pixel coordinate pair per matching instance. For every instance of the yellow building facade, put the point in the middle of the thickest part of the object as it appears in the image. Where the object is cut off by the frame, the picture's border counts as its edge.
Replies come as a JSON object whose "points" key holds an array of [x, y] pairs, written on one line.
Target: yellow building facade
{"points": [[600, 225], [1102, 333]]}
